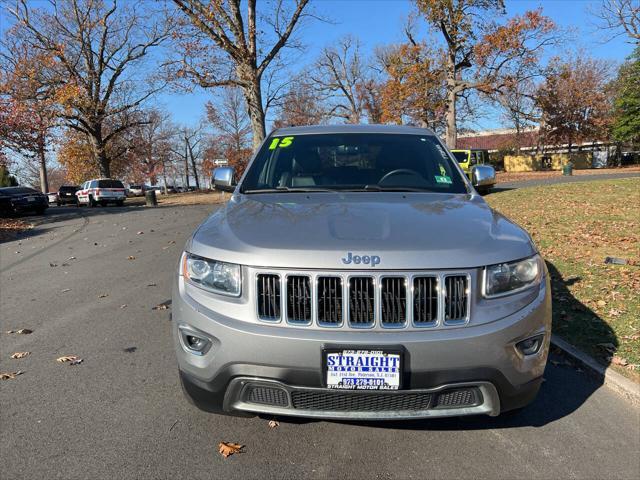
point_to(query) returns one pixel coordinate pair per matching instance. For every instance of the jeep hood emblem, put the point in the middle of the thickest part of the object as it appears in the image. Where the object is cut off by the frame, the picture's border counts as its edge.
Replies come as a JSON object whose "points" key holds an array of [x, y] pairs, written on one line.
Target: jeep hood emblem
{"points": [[372, 260]]}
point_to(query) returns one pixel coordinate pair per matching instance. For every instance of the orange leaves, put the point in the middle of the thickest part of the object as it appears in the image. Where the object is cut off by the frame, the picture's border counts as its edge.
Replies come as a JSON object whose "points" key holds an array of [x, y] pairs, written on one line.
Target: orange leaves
{"points": [[227, 449]]}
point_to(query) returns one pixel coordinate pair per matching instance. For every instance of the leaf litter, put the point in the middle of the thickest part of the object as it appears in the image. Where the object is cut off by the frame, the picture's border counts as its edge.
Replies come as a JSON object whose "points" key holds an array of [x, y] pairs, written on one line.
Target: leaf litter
{"points": [[19, 355]]}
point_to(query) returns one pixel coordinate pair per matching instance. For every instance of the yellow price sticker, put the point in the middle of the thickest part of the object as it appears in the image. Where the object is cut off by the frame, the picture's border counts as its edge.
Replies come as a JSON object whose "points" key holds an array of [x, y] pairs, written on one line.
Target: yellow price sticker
{"points": [[280, 142]]}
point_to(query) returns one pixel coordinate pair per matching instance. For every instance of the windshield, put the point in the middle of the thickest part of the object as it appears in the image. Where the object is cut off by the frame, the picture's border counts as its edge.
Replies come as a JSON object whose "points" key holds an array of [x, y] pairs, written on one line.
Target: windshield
{"points": [[353, 162], [462, 157]]}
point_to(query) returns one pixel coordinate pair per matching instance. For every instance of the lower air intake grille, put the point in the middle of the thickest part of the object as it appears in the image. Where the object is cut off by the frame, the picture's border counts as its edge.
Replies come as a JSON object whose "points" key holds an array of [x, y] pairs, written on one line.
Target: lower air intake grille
{"points": [[298, 299], [359, 402], [464, 397], [266, 396], [269, 297], [455, 298], [330, 300], [361, 300]]}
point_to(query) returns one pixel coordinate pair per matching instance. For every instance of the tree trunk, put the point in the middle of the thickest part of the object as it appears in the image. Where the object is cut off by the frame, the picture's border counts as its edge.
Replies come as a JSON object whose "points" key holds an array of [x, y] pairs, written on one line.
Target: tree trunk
{"points": [[186, 163], [451, 131], [44, 180], [252, 91], [100, 153], [193, 165]]}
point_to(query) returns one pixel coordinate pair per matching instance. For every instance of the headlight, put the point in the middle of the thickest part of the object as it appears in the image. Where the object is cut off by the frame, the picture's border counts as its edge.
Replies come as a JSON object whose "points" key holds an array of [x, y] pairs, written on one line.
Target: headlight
{"points": [[506, 278], [212, 275]]}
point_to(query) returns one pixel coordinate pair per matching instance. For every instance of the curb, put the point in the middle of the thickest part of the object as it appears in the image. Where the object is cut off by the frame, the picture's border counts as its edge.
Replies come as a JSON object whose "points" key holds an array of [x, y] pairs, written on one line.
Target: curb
{"points": [[612, 379]]}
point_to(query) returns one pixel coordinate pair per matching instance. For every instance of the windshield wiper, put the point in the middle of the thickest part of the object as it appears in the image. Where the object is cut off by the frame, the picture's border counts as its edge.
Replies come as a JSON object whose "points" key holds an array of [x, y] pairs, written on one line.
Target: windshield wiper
{"points": [[289, 190]]}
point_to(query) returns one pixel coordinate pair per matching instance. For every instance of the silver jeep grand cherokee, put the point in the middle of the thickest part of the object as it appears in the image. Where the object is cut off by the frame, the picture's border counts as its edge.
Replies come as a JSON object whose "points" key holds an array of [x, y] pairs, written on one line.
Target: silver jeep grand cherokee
{"points": [[356, 273]]}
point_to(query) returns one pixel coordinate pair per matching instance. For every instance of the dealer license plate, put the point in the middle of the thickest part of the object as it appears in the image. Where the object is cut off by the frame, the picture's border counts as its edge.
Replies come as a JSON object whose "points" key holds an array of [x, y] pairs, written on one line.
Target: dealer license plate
{"points": [[363, 370]]}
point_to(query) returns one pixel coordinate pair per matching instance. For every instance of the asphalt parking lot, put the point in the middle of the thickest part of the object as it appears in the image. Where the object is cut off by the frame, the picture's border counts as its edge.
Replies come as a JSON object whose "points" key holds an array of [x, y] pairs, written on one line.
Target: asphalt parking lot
{"points": [[85, 281]]}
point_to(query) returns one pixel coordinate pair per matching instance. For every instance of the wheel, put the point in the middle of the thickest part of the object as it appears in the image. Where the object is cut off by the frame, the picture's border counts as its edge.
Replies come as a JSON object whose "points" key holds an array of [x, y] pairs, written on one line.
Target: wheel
{"points": [[103, 203], [92, 202], [120, 203], [58, 203]]}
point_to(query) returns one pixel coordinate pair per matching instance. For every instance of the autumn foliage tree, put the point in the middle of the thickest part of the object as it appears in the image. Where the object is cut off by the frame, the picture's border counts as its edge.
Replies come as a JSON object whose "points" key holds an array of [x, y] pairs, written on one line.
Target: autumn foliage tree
{"points": [[574, 102], [28, 109], [481, 54], [97, 48], [300, 106]]}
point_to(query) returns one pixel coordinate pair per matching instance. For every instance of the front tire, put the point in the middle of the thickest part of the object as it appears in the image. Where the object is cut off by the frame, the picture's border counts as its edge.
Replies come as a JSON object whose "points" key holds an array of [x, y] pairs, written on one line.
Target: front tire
{"points": [[120, 203], [92, 202]]}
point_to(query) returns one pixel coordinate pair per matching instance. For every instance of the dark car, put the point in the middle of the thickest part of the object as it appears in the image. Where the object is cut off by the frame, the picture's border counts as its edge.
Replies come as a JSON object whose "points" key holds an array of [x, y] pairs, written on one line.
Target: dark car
{"points": [[67, 195], [16, 200]]}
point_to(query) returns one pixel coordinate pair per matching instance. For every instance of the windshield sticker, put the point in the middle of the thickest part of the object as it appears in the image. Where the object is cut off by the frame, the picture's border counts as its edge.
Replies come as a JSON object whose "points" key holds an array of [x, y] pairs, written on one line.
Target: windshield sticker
{"points": [[443, 179], [280, 143], [443, 171]]}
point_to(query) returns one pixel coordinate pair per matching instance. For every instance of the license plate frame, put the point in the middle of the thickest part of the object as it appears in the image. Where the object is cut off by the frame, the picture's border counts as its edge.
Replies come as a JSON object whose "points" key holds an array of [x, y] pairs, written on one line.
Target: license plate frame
{"points": [[358, 381]]}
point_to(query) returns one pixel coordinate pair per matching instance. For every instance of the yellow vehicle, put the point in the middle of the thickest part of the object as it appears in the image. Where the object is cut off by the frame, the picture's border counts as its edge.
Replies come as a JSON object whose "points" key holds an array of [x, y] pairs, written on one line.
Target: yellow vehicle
{"points": [[468, 158]]}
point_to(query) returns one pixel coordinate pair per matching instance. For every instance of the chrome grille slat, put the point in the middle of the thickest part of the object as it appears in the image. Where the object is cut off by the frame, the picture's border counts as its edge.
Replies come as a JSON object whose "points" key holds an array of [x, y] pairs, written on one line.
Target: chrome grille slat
{"points": [[298, 299], [455, 298], [361, 301], [329, 302], [269, 297], [425, 300], [394, 300]]}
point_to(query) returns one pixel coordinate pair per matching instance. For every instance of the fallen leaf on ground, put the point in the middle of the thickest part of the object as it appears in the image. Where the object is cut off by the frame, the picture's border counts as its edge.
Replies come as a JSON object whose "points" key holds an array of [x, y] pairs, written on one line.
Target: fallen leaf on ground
{"points": [[71, 258], [161, 306], [273, 423], [103, 295], [9, 375], [140, 233], [123, 306], [20, 355], [76, 362], [131, 257], [22, 331], [53, 264], [152, 284], [634, 336], [68, 358], [227, 449], [619, 361], [66, 290], [601, 303]]}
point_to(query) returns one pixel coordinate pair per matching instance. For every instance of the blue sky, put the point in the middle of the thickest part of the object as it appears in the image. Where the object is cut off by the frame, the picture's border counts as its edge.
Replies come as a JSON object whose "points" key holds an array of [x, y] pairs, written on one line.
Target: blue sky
{"points": [[379, 22]]}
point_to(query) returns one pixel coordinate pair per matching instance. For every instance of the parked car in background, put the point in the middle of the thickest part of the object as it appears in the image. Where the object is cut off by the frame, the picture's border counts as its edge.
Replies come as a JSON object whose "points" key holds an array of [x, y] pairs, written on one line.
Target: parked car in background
{"points": [[137, 190], [101, 191], [52, 197], [67, 195], [17, 200]]}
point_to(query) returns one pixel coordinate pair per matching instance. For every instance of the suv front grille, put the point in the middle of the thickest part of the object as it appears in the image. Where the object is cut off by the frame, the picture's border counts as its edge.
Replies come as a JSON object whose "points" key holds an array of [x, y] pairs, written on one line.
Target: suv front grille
{"points": [[395, 301], [379, 401]]}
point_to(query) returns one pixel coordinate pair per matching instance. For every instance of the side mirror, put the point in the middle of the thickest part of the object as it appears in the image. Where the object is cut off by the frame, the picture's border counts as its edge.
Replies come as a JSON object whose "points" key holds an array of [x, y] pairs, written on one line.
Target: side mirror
{"points": [[224, 179], [483, 176]]}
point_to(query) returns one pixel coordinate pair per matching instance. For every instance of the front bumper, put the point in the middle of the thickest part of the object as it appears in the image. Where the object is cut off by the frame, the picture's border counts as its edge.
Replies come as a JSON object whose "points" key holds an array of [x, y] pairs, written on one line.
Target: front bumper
{"points": [[255, 368]]}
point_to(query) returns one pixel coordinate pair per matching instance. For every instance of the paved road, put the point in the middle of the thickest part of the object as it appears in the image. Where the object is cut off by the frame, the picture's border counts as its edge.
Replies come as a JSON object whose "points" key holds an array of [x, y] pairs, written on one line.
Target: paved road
{"points": [[563, 179], [121, 414]]}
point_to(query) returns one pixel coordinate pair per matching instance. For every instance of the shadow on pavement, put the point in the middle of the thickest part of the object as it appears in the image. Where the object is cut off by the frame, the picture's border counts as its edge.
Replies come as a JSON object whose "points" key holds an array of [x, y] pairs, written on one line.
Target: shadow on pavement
{"points": [[565, 389]]}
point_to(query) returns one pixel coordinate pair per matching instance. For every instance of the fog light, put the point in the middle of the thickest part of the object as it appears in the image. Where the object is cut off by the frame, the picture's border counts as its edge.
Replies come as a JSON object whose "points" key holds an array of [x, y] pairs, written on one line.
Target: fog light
{"points": [[531, 345], [193, 341]]}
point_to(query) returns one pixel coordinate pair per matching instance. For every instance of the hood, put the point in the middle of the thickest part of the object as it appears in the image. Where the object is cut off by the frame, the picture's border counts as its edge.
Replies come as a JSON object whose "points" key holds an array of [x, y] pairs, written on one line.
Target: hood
{"points": [[325, 230]]}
